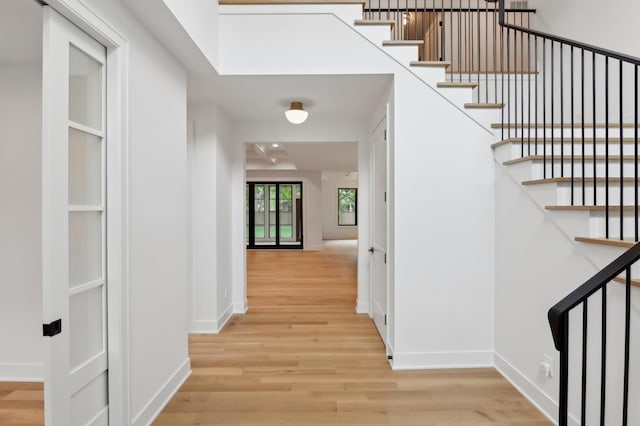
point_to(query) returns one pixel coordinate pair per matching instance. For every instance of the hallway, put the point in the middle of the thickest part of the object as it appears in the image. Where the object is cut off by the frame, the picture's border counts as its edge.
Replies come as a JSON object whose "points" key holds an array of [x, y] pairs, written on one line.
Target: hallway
{"points": [[302, 356]]}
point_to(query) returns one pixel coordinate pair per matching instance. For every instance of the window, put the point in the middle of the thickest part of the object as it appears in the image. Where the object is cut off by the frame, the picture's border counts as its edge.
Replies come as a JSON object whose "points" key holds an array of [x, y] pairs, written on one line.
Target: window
{"points": [[347, 206]]}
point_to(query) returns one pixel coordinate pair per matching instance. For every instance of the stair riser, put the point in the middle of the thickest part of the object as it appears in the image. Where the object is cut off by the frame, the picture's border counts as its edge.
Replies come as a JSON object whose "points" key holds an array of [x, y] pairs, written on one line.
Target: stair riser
{"points": [[457, 95], [374, 33], [403, 54], [597, 224], [537, 168], [518, 150], [564, 194], [614, 132], [485, 116], [430, 75]]}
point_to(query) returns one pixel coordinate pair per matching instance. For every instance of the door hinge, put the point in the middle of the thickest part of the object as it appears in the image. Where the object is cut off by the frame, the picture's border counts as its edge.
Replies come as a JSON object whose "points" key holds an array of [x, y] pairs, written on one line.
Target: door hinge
{"points": [[385, 135], [53, 328], [385, 319], [385, 196], [385, 258]]}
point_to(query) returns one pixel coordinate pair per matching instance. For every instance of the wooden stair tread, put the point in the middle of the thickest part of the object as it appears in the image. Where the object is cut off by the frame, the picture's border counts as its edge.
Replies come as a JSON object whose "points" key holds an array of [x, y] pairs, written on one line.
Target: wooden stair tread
{"points": [[607, 242], [623, 280], [566, 158], [403, 42], [475, 72], [241, 2], [575, 180], [589, 208], [434, 64], [474, 105], [576, 126], [366, 22], [456, 84]]}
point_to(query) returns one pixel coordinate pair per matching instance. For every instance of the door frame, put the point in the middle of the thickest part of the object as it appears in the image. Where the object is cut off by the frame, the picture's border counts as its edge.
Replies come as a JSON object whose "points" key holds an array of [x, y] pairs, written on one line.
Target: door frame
{"points": [[117, 208]]}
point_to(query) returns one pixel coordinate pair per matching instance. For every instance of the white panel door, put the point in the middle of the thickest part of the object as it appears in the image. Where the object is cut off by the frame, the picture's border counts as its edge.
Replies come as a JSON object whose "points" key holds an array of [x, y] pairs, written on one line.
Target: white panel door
{"points": [[378, 248], [74, 224]]}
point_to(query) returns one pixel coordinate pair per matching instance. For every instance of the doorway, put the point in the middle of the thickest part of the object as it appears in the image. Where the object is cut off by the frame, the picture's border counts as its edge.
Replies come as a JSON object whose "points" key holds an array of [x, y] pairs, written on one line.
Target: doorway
{"points": [[274, 215]]}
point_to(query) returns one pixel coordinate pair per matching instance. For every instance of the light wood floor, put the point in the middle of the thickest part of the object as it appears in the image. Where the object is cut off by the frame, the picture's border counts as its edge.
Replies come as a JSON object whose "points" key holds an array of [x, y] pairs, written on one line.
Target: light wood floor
{"points": [[301, 356], [21, 404]]}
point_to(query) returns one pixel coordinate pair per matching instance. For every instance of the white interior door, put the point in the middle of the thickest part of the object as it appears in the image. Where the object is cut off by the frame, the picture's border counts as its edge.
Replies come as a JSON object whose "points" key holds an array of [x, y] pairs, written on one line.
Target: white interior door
{"points": [[74, 224], [378, 248]]}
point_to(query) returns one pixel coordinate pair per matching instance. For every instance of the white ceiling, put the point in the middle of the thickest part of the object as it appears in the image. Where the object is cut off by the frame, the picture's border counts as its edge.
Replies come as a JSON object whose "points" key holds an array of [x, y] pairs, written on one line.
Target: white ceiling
{"points": [[20, 32], [328, 98], [265, 98]]}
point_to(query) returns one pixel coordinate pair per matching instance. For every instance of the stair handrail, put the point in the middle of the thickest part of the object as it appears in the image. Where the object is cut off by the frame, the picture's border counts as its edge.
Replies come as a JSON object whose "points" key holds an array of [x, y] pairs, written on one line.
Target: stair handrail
{"points": [[559, 322]]}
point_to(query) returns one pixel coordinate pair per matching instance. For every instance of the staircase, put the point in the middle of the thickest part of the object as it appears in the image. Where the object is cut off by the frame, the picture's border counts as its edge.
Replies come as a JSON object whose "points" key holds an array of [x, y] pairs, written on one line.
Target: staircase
{"points": [[579, 177]]}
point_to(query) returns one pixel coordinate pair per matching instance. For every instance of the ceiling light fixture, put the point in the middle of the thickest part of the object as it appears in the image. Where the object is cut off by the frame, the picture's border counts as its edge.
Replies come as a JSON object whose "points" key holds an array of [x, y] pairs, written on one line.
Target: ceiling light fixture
{"points": [[296, 114]]}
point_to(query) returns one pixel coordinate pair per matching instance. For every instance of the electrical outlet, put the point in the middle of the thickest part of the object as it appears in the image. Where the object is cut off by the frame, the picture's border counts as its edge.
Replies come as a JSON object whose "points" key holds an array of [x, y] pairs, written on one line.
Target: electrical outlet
{"points": [[547, 366]]}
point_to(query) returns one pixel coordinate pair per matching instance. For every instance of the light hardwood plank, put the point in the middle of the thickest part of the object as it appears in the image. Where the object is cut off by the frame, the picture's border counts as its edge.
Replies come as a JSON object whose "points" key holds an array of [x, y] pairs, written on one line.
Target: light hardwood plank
{"points": [[302, 356]]}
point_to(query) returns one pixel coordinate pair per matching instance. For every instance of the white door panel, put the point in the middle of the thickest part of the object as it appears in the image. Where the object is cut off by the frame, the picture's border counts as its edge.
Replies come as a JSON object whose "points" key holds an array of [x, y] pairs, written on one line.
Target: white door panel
{"points": [[74, 224], [379, 229]]}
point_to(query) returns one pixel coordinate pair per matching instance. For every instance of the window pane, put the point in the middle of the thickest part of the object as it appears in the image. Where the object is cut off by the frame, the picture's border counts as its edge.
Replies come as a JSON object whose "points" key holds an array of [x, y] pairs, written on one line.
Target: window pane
{"points": [[85, 168], [347, 206], [85, 247], [85, 89], [86, 326]]}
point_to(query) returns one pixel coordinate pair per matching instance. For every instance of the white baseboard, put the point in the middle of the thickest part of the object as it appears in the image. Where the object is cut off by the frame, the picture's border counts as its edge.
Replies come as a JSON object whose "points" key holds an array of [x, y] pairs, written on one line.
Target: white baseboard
{"points": [[437, 360], [543, 402], [240, 308], [212, 326], [362, 307], [20, 372], [224, 318], [204, 327], [154, 407]]}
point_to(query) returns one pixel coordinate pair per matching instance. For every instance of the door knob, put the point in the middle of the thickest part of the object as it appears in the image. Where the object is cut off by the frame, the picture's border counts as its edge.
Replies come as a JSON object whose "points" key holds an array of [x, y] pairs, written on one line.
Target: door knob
{"points": [[371, 250]]}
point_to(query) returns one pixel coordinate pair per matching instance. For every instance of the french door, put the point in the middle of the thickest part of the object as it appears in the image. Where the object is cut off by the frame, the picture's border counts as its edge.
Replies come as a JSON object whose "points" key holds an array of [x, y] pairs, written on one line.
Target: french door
{"points": [[74, 225], [274, 214]]}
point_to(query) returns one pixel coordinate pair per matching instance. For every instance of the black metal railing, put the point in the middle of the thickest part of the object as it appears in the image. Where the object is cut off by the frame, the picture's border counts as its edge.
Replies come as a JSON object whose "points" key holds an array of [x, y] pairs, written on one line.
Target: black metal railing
{"points": [[577, 116], [602, 360], [465, 33]]}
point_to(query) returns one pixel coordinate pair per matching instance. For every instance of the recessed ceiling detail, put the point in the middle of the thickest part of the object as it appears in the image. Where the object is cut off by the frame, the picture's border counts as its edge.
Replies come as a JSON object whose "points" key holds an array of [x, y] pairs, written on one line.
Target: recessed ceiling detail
{"points": [[315, 156]]}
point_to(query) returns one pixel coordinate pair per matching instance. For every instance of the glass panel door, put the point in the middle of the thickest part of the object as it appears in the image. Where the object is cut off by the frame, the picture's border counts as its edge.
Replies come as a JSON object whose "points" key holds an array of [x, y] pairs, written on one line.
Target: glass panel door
{"points": [[274, 216], [74, 224]]}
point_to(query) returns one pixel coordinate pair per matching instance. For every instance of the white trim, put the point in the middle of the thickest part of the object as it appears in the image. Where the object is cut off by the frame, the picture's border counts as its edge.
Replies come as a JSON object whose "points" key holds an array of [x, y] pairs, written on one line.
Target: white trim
{"points": [[362, 307], [437, 360], [543, 402], [118, 194], [23, 372], [212, 326], [241, 308], [155, 406]]}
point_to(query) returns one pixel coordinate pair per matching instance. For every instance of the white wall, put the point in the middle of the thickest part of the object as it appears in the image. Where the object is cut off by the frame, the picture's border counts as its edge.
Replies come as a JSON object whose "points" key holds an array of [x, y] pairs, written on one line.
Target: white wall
{"points": [[612, 25], [312, 209], [443, 314], [157, 219], [20, 222], [200, 20], [211, 262], [330, 184]]}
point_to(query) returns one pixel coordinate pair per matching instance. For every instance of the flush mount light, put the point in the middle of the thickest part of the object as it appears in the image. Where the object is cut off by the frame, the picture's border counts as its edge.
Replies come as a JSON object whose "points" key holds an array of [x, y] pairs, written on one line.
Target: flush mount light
{"points": [[296, 114]]}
